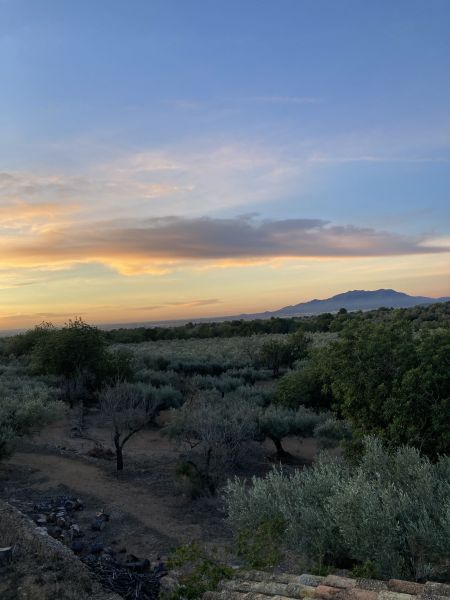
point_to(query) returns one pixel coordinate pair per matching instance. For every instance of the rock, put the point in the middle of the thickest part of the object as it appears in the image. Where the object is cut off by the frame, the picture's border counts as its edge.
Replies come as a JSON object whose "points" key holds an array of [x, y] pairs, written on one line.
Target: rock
{"points": [[5, 555], [77, 546], [168, 585], [61, 522], [98, 525], [97, 547], [360, 594], [372, 585], [310, 580], [326, 592], [437, 589], [344, 583], [405, 587], [394, 596]]}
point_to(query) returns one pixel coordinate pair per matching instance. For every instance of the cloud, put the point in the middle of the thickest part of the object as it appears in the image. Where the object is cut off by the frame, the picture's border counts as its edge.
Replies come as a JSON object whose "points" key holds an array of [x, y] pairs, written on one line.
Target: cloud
{"points": [[183, 304], [158, 245], [20, 211]]}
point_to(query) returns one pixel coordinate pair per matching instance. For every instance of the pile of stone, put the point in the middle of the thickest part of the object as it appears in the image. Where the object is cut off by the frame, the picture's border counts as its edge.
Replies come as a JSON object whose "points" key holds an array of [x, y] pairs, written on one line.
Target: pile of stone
{"points": [[56, 516], [125, 574], [259, 585]]}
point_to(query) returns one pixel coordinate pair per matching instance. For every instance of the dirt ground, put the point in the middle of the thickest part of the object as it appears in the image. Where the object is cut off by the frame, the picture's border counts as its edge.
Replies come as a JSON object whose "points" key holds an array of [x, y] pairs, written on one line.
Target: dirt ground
{"points": [[149, 513]]}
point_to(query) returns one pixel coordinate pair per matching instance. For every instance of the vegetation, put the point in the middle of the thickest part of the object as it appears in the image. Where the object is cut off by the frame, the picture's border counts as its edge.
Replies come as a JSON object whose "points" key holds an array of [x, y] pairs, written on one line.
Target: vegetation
{"points": [[383, 509], [277, 422], [128, 408], [26, 406], [216, 430], [201, 572], [392, 509]]}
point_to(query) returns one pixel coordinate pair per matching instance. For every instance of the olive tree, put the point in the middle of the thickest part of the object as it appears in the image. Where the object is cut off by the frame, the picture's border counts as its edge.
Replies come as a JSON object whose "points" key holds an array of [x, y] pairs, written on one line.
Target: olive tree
{"points": [[214, 430], [26, 410], [129, 407], [392, 509], [277, 422]]}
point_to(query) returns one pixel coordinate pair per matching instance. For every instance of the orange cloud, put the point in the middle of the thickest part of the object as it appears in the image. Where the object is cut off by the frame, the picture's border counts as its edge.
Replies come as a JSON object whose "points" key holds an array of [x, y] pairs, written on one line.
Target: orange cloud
{"points": [[156, 246]]}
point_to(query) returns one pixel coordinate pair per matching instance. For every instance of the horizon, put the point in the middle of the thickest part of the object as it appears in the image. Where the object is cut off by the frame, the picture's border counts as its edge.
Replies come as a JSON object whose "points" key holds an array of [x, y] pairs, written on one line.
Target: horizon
{"points": [[182, 320], [173, 161]]}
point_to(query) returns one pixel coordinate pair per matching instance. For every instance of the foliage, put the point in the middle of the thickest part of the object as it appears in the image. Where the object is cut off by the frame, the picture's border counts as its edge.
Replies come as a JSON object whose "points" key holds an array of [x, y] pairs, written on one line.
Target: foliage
{"points": [[392, 509], [260, 547], [333, 432], [278, 422], [392, 382], [216, 430], [305, 386], [127, 410], [274, 355], [23, 343], [202, 572], [75, 348], [366, 570], [24, 409]]}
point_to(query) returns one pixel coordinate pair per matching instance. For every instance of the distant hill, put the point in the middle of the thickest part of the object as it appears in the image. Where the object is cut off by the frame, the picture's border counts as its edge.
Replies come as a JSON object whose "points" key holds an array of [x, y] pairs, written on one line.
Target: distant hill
{"points": [[352, 300]]}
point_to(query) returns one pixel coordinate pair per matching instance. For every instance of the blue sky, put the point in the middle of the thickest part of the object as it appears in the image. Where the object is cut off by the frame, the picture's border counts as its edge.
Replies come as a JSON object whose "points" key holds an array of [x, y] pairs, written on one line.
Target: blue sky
{"points": [[127, 112]]}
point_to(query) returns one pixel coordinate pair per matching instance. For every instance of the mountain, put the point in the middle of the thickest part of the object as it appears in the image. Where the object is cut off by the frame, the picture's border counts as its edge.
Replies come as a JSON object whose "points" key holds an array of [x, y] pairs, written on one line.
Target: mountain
{"points": [[352, 300]]}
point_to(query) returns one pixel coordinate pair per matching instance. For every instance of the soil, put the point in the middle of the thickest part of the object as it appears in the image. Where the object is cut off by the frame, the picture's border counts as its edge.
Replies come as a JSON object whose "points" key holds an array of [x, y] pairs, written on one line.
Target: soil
{"points": [[149, 513]]}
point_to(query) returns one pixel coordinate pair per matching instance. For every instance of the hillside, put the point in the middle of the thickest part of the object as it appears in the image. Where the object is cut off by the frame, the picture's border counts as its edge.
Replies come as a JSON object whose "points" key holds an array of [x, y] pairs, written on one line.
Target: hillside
{"points": [[351, 300]]}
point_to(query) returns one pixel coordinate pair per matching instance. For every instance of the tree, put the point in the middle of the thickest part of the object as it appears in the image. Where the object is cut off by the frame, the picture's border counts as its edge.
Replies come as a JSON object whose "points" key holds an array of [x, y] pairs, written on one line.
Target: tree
{"points": [[23, 343], [75, 348], [389, 381], [215, 431], [274, 355], [308, 386], [26, 410], [127, 411], [278, 422], [298, 347]]}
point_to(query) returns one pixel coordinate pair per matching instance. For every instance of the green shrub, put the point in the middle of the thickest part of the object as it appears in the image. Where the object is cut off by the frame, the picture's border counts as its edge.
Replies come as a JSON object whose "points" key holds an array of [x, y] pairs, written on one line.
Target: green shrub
{"points": [[392, 509], [260, 547], [201, 572], [22, 411]]}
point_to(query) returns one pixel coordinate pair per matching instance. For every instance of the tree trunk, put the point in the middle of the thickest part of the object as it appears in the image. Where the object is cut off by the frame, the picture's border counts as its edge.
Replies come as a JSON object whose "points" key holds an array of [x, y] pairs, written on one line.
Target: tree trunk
{"points": [[281, 452], [119, 453]]}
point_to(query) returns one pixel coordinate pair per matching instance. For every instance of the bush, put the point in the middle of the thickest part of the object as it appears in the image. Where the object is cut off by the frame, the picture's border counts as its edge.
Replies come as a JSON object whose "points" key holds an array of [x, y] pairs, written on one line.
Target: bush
{"points": [[261, 547], [201, 572], [305, 386], [26, 410], [392, 509]]}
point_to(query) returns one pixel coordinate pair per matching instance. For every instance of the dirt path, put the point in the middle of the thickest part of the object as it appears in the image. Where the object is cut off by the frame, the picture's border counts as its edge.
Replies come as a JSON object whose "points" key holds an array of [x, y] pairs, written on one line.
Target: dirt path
{"points": [[119, 496]]}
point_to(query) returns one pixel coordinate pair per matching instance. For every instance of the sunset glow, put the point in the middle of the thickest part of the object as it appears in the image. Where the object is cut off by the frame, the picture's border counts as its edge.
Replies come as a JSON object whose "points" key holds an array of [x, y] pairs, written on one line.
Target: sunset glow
{"points": [[163, 163]]}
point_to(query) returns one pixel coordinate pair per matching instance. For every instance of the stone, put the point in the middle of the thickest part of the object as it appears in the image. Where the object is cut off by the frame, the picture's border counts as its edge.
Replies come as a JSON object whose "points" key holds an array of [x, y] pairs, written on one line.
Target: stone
{"points": [[327, 592], [168, 585], [310, 580], [437, 589], [394, 596], [5, 555], [344, 583], [307, 591], [373, 585], [297, 590], [405, 587], [360, 594]]}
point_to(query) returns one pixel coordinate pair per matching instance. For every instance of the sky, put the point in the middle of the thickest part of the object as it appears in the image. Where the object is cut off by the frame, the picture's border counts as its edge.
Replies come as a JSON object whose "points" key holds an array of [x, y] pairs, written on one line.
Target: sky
{"points": [[170, 159]]}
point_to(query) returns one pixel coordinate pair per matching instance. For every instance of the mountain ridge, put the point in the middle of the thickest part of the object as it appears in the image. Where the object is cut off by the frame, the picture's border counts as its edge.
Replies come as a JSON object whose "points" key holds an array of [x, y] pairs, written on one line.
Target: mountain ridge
{"points": [[350, 300]]}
